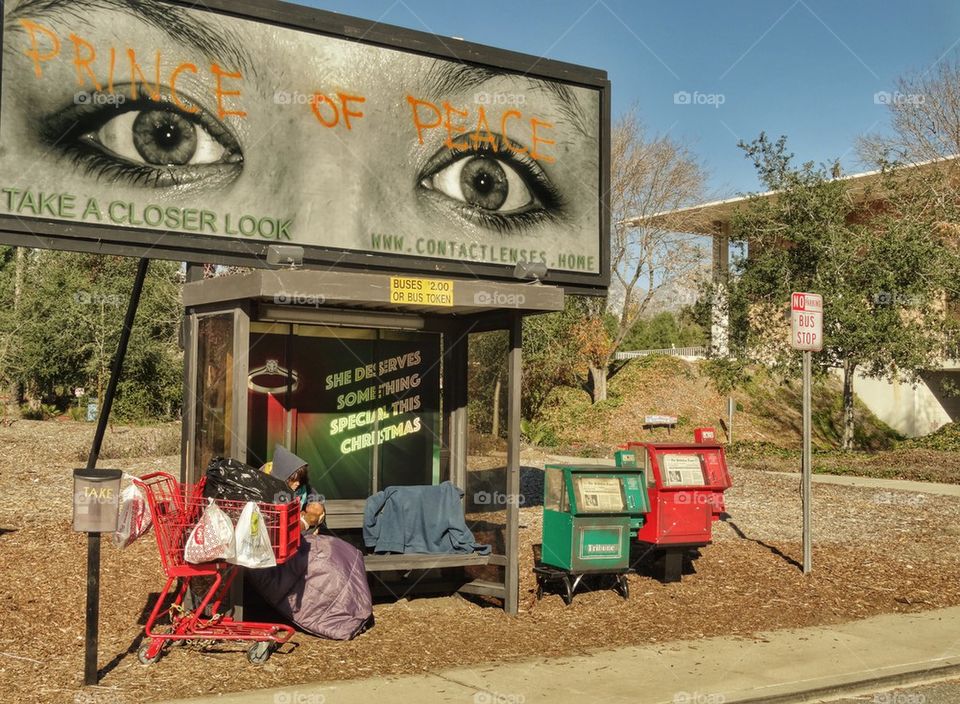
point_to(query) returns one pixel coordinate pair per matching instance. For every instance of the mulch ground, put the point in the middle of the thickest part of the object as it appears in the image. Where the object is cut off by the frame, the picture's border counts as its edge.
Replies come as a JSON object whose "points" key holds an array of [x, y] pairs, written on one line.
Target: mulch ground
{"points": [[875, 552]]}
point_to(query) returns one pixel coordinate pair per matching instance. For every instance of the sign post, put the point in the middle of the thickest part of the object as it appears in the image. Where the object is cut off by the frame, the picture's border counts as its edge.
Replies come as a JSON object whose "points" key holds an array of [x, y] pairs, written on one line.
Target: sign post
{"points": [[731, 407], [807, 335], [91, 673]]}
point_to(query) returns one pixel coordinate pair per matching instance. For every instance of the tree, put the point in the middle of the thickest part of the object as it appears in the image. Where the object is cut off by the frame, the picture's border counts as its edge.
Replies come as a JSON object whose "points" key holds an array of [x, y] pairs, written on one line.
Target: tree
{"points": [[72, 309], [925, 117], [650, 176], [665, 330], [551, 357], [880, 264], [12, 266]]}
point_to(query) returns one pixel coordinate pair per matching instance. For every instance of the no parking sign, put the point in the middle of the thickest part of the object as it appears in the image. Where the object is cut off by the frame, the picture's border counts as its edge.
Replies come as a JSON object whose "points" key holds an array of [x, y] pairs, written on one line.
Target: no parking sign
{"points": [[807, 321]]}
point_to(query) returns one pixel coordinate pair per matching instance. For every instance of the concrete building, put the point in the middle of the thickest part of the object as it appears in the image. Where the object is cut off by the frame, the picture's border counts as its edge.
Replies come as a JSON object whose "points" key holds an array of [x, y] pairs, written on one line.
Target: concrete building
{"points": [[911, 409]]}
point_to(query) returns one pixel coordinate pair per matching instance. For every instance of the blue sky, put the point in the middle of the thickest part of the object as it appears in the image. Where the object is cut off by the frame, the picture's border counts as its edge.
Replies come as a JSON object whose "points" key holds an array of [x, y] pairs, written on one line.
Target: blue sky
{"points": [[809, 69]]}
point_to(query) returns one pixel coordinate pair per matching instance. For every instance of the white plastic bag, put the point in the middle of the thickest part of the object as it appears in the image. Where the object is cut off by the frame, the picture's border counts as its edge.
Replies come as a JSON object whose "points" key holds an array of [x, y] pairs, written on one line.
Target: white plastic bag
{"points": [[253, 540], [212, 537], [134, 518]]}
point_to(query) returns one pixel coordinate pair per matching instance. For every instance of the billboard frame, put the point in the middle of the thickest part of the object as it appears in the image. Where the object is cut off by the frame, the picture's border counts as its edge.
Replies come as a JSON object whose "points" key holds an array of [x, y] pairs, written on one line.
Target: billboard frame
{"points": [[45, 233]]}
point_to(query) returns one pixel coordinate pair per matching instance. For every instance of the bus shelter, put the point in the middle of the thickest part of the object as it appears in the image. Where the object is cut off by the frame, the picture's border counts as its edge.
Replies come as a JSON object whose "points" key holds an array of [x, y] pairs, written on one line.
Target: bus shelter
{"points": [[364, 375]]}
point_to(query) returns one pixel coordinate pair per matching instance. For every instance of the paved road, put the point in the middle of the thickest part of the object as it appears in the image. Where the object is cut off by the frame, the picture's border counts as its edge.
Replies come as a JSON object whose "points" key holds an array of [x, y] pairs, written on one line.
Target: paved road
{"points": [[939, 693], [878, 483]]}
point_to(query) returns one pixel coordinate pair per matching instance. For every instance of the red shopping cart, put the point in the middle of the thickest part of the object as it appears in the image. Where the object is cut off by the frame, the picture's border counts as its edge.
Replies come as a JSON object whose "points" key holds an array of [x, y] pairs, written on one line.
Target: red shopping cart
{"points": [[175, 509]]}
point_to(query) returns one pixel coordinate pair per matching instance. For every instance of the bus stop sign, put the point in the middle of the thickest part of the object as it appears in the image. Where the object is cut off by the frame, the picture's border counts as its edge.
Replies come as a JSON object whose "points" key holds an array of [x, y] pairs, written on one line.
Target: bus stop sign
{"points": [[807, 322]]}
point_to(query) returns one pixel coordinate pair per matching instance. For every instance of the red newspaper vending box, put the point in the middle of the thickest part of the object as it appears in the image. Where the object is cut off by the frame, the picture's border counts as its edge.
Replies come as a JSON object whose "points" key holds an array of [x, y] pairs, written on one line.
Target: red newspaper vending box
{"points": [[704, 435], [686, 484]]}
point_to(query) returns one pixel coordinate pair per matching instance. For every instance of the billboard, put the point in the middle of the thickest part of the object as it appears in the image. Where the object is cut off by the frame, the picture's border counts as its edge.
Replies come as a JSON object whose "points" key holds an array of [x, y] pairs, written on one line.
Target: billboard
{"points": [[209, 133]]}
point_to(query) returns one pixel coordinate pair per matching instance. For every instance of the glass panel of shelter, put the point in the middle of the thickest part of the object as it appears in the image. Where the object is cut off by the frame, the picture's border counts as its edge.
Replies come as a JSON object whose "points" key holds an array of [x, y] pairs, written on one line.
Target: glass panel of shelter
{"points": [[347, 400], [214, 390], [486, 476]]}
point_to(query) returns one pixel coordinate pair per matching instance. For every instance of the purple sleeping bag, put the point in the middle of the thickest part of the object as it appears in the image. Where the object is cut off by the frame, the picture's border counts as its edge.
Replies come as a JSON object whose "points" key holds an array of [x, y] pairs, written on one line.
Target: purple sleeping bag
{"points": [[322, 589]]}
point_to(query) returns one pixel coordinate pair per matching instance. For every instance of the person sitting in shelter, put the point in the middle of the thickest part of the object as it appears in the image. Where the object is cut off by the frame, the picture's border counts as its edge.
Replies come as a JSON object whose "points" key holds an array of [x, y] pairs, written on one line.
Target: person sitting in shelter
{"points": [[287, 467], [323, 588]]}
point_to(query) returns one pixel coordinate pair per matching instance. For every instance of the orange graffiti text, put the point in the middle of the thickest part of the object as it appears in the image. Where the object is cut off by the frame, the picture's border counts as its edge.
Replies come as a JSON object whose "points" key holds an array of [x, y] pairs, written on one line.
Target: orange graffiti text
{"points": [[141, 78], [453, 122]]}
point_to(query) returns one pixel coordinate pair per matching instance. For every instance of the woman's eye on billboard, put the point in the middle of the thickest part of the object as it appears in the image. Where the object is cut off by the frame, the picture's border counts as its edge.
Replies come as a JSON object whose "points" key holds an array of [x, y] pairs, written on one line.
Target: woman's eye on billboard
{"points": [[502, 188], [144, 142]]}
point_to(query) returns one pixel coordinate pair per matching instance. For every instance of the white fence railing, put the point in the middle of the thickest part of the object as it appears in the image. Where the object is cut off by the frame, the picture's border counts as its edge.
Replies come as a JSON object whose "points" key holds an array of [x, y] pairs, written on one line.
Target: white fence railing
{"points": [[694, 352]]}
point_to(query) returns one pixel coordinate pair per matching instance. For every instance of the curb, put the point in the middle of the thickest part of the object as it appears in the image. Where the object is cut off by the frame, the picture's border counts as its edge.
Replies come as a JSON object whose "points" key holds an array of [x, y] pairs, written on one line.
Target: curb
{"points": [[826, 692]]}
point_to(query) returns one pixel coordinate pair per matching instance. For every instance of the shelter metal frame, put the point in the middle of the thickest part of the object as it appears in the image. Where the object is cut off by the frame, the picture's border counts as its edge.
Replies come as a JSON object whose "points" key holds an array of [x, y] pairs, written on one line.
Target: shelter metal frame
{"points": [[354, 299]]}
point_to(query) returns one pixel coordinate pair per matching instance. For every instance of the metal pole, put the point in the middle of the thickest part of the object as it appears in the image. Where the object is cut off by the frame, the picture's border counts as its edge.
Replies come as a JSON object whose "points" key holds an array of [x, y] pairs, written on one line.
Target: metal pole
{"points": [[806, 481], [731, 406], [512, 542], [194, 272], [93, 539], [459, 365], [90, 674]]}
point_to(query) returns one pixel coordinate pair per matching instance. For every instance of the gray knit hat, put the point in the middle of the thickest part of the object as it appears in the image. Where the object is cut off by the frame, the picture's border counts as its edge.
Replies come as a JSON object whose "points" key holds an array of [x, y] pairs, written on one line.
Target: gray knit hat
{"points": [[285, 463]]}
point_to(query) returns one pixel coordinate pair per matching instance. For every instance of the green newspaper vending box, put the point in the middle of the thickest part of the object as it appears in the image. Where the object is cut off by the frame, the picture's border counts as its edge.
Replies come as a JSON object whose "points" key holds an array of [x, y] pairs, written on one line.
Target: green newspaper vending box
{"points": [[590, 513]]}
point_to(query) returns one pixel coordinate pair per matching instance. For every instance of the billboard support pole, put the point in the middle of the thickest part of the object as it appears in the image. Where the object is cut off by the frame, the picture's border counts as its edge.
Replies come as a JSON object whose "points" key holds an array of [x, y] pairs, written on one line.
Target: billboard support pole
{"points": [[118, 360], [90, 673], [194, 272]]}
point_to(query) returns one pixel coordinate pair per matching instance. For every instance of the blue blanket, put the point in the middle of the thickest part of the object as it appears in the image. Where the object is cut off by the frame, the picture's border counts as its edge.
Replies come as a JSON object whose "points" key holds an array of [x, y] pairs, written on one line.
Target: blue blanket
{"points": [[418, 519]]}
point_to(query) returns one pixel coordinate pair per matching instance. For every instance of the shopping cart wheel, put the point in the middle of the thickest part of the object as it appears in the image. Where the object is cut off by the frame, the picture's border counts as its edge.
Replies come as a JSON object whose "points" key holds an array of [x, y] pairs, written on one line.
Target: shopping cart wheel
{"points": [[144, 657], [259, 653]]}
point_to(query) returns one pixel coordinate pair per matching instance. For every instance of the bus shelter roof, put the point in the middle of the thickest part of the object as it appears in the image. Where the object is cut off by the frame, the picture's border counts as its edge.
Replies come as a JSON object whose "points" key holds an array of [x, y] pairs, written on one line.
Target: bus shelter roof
{"points": [[375, 292]]}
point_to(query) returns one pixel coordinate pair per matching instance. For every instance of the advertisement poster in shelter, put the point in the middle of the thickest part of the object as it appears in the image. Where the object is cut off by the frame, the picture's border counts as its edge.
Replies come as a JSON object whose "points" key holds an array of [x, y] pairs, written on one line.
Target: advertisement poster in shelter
{"points": [[361, 406]]}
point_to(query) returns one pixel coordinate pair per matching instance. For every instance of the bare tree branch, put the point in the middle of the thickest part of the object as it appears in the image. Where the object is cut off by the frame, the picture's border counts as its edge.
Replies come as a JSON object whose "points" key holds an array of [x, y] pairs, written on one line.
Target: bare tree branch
{"points": [[650, 175]]}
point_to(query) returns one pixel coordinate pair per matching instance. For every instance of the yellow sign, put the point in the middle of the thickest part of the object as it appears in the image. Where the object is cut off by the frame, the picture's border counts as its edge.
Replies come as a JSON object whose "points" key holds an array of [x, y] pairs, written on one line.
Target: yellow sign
{"points": [[421, 292]]}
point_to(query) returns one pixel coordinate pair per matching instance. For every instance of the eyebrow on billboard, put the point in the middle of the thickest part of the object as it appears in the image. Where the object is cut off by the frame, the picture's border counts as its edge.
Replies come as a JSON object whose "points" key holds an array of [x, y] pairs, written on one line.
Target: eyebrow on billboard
{"points": [[451, 77], [176, 22], [183, 26]]}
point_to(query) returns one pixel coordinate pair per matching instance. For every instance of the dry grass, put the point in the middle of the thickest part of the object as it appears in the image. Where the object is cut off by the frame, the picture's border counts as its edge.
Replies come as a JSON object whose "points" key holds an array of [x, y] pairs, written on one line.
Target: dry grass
{"points": [[768, 410]]}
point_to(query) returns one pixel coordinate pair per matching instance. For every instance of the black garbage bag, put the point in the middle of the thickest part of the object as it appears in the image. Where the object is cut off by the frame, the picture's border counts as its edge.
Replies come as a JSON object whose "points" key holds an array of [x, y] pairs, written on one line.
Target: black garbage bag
{"points": [[235, 481]]}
